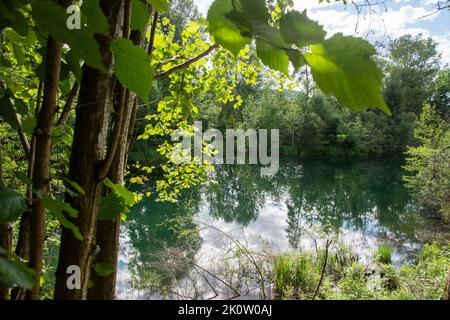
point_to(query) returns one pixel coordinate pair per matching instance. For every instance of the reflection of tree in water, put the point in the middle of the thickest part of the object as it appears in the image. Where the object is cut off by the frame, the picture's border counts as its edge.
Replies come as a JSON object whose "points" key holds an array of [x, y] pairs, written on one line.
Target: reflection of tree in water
{"points": [[331, 195], [334, 195], [165, 240], [239, 194]]}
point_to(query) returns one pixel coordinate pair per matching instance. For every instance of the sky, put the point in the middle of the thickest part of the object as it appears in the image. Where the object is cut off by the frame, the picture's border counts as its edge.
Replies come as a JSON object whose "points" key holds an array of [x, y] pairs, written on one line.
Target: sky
{"points": [[388, 21]]}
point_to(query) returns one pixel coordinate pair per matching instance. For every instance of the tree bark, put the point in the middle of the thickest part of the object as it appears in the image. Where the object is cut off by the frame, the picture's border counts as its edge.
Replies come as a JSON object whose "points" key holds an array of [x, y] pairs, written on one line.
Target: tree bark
{"points": [[23, 240], [108, 232], [41, 168], [88, 146]]}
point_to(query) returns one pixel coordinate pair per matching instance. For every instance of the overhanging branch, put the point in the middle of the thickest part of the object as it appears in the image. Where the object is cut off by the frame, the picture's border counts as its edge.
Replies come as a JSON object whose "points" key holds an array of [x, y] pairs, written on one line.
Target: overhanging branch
{"points": [[185, 64]]}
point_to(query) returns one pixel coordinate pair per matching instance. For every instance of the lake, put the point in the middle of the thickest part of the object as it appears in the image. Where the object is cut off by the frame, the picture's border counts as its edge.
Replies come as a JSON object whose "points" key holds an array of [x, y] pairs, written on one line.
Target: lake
{"points": [[361, 205]]}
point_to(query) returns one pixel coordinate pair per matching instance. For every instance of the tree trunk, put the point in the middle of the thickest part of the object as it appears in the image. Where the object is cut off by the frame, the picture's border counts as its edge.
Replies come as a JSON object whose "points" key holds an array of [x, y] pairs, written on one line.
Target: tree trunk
{"points": [[108, 232], [23, 240], [41, 177], [88, 146]]}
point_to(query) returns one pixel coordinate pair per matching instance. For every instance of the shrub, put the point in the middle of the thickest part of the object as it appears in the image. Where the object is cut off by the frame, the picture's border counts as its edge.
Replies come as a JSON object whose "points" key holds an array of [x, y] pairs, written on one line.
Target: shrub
{"points": [[384, 254]]}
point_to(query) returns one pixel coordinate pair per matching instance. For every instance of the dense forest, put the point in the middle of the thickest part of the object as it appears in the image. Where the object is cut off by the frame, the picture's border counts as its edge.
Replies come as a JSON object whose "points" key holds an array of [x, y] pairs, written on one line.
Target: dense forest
{"points": [[90, 101]]}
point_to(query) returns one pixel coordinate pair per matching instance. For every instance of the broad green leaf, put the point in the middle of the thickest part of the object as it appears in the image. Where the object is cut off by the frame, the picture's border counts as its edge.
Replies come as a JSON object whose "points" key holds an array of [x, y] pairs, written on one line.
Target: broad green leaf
{"points": [[82, 41], [11, 16], [139, 15], [15, 273], [159, 5], [29, 124], [111, 206], [121, 191], [296, 59], [74, 65], [273, 57], [224, 30], [103, 269], [132, 67], [250, 16], [21, 107], [12, 204], [57, 208], [298, 29], [18, 54], [7, 110], [76, 186], [343, 67]]}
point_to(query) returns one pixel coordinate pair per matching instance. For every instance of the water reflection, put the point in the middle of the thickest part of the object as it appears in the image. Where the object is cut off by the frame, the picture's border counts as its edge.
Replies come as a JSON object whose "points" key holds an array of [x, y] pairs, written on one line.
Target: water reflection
{"points": [[361, 203]]}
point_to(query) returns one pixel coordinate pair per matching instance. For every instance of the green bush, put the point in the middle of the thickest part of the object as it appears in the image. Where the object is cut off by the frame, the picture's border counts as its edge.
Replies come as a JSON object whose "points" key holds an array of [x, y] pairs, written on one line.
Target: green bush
{"points": [[426, 280], [384, 254]]}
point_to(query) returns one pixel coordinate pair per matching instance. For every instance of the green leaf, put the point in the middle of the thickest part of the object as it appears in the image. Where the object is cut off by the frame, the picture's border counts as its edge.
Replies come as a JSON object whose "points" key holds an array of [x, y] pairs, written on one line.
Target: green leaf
{"points": [[159, 5], [15, 273], [121, 191], [29, 124], [132, 67], [273, 57], [12, 204], [21, 107], [74, 65], [76, 186], [298, 29], [11, 16], [343, 67], [224, 31], [139, 15], [81, 41], [111, 206], [103, 269], [296, 59], [57, 208], [7, 111], [18, 54]]}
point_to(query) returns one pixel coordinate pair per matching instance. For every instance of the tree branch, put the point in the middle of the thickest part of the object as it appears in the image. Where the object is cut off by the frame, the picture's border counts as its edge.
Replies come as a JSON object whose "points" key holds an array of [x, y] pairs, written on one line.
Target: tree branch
{"points": [[151, 44], [327, 248], [22, 136], [69, 103], [185, 64]]}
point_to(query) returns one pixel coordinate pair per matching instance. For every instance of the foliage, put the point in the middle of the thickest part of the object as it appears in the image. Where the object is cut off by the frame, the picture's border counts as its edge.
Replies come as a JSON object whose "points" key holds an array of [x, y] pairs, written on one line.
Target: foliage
{"points": [[12, 204], [384, 254], [429, 162], [234, 24]]}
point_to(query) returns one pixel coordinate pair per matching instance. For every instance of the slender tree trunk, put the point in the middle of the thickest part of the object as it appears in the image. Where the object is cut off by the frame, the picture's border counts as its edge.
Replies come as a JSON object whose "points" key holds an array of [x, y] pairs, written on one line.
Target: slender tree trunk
{"points": [[41, 168], [91, 126], [23, 240]]}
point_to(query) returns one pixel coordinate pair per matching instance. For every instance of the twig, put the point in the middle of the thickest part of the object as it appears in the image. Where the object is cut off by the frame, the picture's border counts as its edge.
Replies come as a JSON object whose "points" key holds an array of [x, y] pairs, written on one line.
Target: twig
{"points": [[327, 247]]}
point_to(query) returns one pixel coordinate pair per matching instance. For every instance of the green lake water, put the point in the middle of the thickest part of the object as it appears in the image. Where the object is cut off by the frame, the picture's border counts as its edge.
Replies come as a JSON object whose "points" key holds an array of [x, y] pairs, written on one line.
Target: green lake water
{"points": [[362, 204]]}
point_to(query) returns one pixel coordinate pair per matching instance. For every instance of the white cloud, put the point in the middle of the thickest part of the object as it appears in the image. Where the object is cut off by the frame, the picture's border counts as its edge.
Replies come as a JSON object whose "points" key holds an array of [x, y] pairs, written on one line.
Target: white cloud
{"points": [[203, 5]]}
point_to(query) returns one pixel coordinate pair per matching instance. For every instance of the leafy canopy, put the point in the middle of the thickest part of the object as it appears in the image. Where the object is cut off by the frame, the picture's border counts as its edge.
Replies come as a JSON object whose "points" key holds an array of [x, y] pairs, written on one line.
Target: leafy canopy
{"points": [[341, 66]]}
